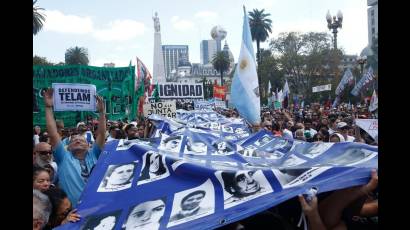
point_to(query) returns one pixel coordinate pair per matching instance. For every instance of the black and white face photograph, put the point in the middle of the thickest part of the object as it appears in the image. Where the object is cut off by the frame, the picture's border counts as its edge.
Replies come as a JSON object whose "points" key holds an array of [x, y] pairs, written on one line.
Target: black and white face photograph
{"points": [[126, 144], [145, 216], [222, 148], [192, 204], [285, 176], [293, 177], [352, 156], [241, 133], [195, 147], [102, 222], [249, 151], [214, 126], [201, 118], [317, 149], [231, 137], [227, 129], [170, 143], [243, 185], [153, 167], [276, 155], [118, 177], [263, 140], [278, 143], [292, 160], [311, 150]]}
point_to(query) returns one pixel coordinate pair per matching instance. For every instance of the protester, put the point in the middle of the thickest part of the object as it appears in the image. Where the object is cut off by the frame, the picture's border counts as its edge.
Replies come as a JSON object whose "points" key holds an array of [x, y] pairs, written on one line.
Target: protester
{"points": [[41, 179], [43, 158], [76, 162], [62, 211], [343, 128], [36, 134], [328, 214], [41, 210]]}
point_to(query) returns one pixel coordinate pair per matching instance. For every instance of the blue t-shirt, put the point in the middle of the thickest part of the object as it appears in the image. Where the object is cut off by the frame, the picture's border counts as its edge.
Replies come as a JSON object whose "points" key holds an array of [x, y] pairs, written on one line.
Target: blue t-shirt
{"points": [[73, 172]]}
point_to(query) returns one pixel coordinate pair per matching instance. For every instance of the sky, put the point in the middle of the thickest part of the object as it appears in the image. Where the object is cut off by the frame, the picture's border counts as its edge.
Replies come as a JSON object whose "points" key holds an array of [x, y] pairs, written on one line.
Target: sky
{"points": [[118, 31]]}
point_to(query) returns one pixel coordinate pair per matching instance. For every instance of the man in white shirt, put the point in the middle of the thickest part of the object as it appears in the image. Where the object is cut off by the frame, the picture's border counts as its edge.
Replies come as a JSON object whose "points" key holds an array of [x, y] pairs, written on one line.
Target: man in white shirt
{"points": [[343, 128]]}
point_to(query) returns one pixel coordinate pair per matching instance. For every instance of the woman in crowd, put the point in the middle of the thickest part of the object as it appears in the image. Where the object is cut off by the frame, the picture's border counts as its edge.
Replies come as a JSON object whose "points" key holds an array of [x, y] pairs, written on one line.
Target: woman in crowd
{"points": [[41, 179], [62, 211]]}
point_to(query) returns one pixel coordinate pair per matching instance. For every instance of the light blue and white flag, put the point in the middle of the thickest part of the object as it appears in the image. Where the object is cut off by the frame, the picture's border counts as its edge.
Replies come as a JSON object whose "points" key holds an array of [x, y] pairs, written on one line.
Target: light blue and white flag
{"points": [[286, 90], [245, 86], [373, 102]]}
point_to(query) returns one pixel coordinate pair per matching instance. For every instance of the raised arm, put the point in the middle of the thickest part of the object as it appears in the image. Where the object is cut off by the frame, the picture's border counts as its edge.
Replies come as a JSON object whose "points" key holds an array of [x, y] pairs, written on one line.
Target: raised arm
{"points": [[51, 123], [101, 123]]}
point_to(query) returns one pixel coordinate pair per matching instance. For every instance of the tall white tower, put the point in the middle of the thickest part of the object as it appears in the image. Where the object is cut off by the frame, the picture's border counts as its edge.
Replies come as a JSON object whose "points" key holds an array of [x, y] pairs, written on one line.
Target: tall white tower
{"points": [[159, 67]]}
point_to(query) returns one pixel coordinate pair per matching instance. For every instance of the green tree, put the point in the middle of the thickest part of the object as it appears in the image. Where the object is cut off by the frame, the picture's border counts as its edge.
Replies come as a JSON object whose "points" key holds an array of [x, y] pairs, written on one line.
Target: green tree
{"points": [[260, 26], [307, 59], [37, 60], [76, 56], [38, 18], [221, 62], [269, 71]]}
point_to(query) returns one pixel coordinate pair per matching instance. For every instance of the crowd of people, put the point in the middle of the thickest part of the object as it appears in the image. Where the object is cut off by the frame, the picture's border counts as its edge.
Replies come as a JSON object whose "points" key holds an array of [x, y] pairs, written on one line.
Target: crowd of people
{"points": [[63, 159]]}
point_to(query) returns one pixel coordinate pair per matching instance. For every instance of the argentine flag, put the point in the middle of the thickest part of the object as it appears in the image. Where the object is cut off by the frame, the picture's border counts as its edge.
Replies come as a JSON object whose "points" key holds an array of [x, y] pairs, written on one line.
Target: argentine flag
{"points": [[245, 87]]}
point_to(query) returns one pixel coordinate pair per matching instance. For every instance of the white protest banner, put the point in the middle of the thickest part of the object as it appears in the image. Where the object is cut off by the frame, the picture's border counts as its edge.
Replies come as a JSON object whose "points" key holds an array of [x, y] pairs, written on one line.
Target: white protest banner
{"points": [[165, 109], [371, 126], [321, 88], [203, 105], [220, 104], [181, 91], [74, 97]]}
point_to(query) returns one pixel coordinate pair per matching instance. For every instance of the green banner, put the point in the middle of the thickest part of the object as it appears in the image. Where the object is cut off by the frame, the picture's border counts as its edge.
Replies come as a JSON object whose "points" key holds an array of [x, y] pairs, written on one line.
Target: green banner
{"points": [[115, 85]]}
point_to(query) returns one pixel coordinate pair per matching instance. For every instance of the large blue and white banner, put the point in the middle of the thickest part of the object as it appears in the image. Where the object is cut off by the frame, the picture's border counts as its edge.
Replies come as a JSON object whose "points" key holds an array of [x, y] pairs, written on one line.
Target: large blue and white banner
{"points": [[346, 79], [367, 78], [194, 178]]}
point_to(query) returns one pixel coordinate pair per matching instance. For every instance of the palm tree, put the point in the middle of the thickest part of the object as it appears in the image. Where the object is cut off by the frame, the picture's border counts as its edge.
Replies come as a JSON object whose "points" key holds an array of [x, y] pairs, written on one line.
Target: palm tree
{"points": [[76, 56], [38, 18], [221, 62], [260, 25]]}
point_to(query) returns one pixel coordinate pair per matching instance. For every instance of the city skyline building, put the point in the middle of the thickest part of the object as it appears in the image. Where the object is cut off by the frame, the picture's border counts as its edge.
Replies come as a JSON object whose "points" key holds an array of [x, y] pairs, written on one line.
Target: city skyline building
{"points": [[208, 49], [172, 55]]}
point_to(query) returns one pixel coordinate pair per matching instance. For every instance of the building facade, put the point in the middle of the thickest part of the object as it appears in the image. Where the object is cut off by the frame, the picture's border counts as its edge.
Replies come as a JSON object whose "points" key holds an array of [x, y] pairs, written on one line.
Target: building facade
{"points": [[373, 21], [172, 56], [208, 50]]}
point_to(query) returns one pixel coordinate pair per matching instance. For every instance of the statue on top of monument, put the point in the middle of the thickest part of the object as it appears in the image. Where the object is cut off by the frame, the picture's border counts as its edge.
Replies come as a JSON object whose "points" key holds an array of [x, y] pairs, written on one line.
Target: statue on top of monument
{"points": [[156, 22]]}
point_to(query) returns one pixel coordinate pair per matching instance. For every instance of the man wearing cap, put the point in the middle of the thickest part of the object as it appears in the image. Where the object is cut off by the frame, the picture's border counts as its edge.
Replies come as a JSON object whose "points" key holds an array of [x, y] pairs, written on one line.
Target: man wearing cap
{"points": [[75, 163], [343, 128], [82, 130]]}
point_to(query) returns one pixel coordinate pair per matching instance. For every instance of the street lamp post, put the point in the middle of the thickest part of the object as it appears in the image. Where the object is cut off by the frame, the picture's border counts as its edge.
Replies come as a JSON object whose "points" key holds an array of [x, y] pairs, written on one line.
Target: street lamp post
{"points": [[334, 25]]}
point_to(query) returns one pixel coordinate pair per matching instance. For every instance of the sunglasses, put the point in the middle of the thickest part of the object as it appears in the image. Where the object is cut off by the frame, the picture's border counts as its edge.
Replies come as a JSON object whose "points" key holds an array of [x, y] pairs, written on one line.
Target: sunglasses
{"points": [[43, 153]]}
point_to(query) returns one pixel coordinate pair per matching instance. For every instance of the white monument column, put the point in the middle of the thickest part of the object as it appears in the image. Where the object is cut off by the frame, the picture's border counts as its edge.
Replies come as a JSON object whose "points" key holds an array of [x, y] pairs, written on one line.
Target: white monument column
{"points": [[159, 68]]}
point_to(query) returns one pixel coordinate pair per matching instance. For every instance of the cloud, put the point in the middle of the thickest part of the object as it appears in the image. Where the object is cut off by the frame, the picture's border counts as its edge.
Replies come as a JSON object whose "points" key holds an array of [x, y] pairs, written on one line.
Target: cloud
{"points": [[118, 62], [261, 4], [206, 16], [117, 30], [180, 24], [120, 30], [58, 22]]}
